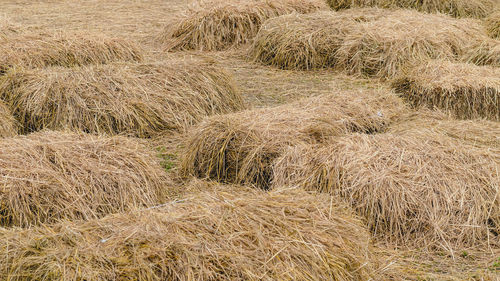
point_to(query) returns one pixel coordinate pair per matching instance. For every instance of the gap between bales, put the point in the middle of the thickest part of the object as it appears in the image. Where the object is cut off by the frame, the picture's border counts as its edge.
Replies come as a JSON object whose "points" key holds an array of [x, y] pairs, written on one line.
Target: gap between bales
{"points": [[367, 42], [218, 235], [64, 49], [241, 147], [418, 189], [50, 176], [465, 90], [456, 8], [8, 125], [219, 25], [119, 98]]}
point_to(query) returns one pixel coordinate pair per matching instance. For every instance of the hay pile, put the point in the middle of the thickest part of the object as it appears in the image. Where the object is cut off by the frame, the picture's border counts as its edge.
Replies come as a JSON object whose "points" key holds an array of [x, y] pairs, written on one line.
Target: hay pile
{"points": [[465, 90], [241, 147], [416, 189], [484, 53], [218, 235], [8, 126], [48, 176], [301, 41], [41, 50], [493, 24], [137, 99], [369, 42], [456, 8], [219, 24]]}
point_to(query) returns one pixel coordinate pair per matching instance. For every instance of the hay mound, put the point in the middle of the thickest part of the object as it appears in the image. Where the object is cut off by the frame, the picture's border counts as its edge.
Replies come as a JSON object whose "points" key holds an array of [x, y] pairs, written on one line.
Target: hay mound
{"points": [[48, 176], [241, 147], [41, 50], [301, 41], [484, 53], [417, 189], [218, 25], [219, 235], [137, 99], [465, 90], [369, 42], [493, 24], [456, 8], [8, 126]]}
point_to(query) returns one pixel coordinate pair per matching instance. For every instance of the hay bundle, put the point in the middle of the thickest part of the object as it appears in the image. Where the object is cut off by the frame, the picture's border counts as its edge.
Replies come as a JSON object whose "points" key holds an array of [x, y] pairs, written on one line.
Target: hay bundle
{"points": [[456, 8], [218, 25], [465, 90], [417, 189], [48, 176], [137, 99], [301, 41], [241, 147], [484, 53], [378, 44], [41, 50], [309, 41], [383, 47], [219, 235], [493, 24], [7, 122]]}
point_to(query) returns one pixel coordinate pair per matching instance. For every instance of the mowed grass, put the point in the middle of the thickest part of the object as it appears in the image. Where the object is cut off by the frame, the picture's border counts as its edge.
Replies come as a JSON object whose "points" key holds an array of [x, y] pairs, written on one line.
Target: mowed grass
{"points": [[209, 232]]}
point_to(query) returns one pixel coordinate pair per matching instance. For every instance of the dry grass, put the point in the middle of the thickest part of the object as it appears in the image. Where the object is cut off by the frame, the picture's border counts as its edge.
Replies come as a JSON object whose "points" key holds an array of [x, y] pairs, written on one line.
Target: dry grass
{"points": [[137, 99], [7, 27], [64, 49], [417, 189], [479, 133], [456, 8], [241, 147], [484, 53], [493, 24], [368, 42], [418, 265], [8, 126], [49, 176], [138, 21], [218, 24], [218, 235], [465, 90], [301, 41]]}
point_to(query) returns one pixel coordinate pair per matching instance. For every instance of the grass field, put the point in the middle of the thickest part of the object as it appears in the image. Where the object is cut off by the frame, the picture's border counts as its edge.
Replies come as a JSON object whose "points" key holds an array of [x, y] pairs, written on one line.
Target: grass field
{"points": [[249, 140]]}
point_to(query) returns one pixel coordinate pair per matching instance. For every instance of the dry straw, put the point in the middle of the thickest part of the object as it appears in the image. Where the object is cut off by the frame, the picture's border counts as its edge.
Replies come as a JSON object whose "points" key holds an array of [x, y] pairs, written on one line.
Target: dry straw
{"points": [[419, 189], [241, 147], [465, 90], [457, 8], [40, 50], [49, 176], [137, 99], [220, 24], [479, 133], [486, 52], [7, 28], [217, 235], [8, 126], [493, 24], [368, 42]]}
